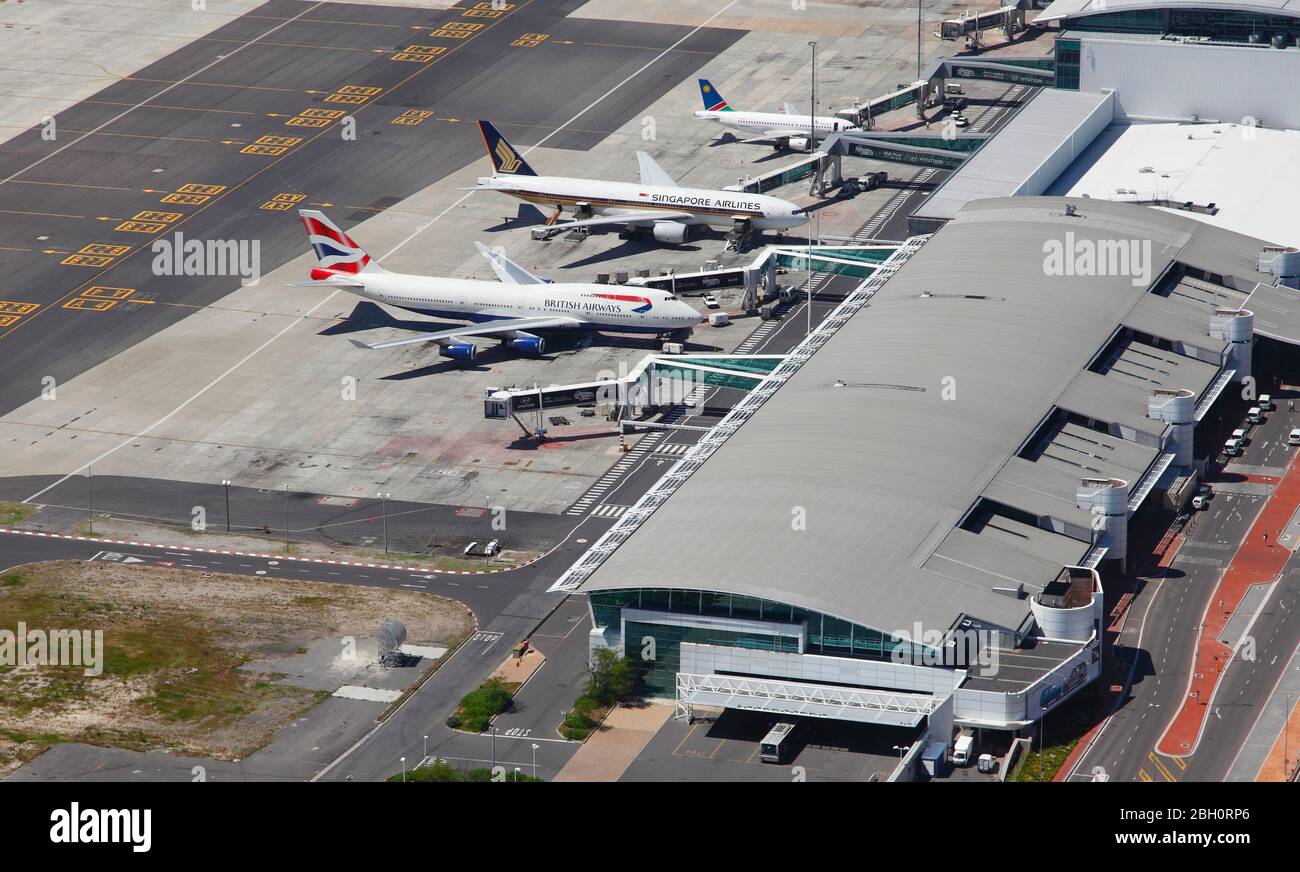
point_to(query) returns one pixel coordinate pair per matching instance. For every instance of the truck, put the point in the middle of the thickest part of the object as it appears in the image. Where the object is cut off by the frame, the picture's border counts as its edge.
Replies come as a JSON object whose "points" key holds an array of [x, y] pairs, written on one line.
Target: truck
{"points": [[962, 749]]}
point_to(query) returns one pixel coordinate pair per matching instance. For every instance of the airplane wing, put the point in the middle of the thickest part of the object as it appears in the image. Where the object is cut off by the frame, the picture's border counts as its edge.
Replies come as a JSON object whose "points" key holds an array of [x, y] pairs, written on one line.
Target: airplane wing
{"points": [[791, 109], [507, 270], [628, 217], [335, 281], [652, 173], [558, 322], [776, 134]]}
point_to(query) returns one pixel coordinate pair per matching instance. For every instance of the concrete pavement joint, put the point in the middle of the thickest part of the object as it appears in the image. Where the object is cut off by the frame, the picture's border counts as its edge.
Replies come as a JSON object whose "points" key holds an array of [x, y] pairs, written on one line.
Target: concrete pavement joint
{"points": [[201, 550]]}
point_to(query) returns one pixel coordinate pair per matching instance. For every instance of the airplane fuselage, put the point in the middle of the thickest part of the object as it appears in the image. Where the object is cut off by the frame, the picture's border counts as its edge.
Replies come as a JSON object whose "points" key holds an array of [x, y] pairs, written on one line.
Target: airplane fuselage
{"points": [[776, 124], [716, 208], [614, 308]]}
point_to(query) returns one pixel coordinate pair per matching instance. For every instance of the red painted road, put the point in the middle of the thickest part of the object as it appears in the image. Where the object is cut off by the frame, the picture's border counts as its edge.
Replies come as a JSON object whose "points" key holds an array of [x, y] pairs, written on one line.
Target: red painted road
{"points": [[1259, 560], [1119, 681]]}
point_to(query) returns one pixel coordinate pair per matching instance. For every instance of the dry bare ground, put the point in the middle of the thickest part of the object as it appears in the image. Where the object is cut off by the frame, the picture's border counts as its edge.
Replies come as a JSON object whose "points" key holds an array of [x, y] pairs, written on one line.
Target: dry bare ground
{"points": [[173, 644]]}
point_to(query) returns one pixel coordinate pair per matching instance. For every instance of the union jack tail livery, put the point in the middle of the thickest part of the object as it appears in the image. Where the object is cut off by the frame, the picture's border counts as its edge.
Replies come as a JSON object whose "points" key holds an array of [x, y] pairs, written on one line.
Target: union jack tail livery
{"points": [[335, 251], [505, 159], [646, 304], [713, 101]]}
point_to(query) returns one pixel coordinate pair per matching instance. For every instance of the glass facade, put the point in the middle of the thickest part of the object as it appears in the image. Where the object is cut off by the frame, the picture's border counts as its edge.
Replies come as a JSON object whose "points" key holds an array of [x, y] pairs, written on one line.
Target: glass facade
{"points": [[825, 634], [1067, 64], [1133, 21], [1227, 25], [1230, 25]]}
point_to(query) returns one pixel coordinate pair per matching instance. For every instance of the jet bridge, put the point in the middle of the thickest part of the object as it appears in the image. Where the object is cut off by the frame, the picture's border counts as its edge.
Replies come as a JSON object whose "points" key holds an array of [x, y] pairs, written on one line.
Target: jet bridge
{"points": [[1011, 19], [1037, 72], [658, 380], [758, 279], [859, 261]]}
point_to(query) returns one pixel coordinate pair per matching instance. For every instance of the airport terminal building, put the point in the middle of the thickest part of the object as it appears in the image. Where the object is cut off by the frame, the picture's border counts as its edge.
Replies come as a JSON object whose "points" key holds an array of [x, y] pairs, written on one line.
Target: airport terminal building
{"points": [[916, 521]]}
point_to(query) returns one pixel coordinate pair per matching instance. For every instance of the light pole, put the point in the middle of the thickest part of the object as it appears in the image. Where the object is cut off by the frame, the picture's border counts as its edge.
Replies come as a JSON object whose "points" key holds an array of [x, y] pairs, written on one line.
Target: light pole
{"points": [[900, 749], [812, 146], [403, 770], [516, 775], [383, 499], [286, 515], [534, 759], [493, 728], [226, 484], [426, 749], [918, 40], [90, 480]]}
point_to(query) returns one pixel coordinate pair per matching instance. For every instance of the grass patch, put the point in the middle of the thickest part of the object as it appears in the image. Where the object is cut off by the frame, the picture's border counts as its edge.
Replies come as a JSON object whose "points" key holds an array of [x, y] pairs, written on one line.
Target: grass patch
{"points": [[10, 579], [428, 560], [443, 772], [480, 705], [1062, 730], [13, 513], [314, 602]]}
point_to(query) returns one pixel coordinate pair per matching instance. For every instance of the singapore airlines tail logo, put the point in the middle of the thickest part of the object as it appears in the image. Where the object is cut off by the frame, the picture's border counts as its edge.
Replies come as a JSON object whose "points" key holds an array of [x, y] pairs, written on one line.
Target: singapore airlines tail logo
{"points": [[508, 161]]}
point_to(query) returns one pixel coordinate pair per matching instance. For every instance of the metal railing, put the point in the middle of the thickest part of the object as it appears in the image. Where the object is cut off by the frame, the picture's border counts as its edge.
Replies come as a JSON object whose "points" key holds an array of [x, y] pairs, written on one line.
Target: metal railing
{"points": [[633, 518]]}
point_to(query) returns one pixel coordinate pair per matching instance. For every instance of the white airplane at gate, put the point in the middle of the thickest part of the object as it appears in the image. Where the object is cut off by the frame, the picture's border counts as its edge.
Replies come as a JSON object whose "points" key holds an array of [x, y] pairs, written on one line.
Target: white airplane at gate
{"points": [[783, 130], [515, 309], [657, 202]]}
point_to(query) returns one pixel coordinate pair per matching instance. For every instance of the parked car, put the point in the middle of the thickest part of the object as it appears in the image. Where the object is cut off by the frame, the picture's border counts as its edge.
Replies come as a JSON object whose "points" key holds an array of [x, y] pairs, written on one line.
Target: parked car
{"points": [[960, 121], [710, 301], [1293, 438]]}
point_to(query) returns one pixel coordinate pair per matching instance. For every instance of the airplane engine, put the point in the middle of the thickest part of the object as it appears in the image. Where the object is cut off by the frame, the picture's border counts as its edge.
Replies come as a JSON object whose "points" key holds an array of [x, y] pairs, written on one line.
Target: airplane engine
{"points": [[529, 345], [459, 350], [798, 143], [671, 232]]}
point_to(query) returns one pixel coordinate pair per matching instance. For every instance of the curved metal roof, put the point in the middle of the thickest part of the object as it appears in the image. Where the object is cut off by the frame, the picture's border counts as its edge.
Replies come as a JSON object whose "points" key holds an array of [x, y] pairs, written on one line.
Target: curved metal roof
{"points": [[882, 468], [1063, 9]]}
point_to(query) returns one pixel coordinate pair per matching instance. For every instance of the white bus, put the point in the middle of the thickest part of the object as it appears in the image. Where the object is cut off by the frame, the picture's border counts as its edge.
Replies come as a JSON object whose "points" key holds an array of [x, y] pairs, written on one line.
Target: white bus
{"points": [[776, 745]]}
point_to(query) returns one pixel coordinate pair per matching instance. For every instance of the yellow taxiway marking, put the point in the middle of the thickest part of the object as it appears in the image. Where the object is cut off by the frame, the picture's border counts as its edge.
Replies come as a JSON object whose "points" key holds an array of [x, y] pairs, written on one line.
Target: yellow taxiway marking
{"points": [[1142, 773], [72, 185], [333, 21], [145, 106], [41, 214], [149, 136], [210, 84], [337, 92]]}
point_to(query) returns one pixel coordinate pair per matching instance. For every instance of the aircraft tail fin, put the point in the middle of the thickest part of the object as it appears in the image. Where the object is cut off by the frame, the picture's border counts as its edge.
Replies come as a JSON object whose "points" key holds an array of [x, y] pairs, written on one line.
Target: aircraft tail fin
{"points": [[507, 270], [336, 252], [713, 101], [652, 173], [505, 159]]}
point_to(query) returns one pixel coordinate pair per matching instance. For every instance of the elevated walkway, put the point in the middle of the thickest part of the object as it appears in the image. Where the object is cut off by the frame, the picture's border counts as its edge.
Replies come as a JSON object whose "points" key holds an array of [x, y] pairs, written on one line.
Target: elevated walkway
{"points": [[799, 699]]}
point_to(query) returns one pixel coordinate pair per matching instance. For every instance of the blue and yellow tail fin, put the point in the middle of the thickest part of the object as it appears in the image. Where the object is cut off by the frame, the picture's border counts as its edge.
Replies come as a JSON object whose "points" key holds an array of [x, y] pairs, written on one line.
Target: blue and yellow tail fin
{"points": [[505, 159], [713, 101]]}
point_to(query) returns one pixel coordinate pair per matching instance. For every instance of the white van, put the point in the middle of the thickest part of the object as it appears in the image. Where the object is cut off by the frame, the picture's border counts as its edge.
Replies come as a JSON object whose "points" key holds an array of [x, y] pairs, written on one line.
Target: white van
{"points": [[1293, 438], [1232, 447], [1240, 435], [1266, 402], [1255, 415], [961, 750]]}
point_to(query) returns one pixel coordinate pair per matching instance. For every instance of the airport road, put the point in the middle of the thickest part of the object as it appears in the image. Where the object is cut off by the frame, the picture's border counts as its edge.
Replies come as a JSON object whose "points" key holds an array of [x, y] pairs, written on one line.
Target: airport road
{"points": [[487, 594], [1161, 632], [225, 138], [337, 521], [890, 222]]}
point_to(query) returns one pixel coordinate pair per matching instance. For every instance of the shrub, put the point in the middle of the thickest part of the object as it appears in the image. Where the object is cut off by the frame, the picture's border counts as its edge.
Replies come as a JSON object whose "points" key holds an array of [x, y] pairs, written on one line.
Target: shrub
{"points": [[611, 679], [480, 705]]}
